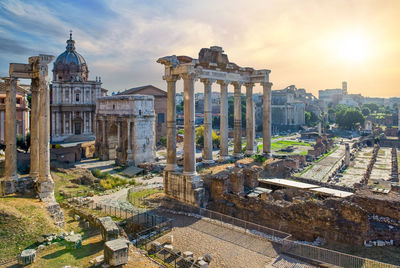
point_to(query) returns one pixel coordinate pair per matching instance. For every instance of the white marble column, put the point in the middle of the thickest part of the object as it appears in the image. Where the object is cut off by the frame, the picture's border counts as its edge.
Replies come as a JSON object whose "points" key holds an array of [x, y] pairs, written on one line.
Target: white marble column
{"points": [[171, 123], [84, 123], [70, 123], [11, 130], [250, 120], [237, 121], [208, 146], [267, 118], [223, 119], [189, 157]]}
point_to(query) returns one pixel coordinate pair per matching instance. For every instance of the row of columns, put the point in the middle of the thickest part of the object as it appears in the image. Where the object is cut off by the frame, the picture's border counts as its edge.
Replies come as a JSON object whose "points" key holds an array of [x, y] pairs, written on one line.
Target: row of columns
{"points": [[189, 121], [59, 120], [40, 129]]}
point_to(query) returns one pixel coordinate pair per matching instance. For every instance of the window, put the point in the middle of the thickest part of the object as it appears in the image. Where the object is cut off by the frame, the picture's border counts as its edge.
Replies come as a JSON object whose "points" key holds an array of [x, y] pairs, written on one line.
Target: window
{"points": [[140, 112], [77, 97], [18, 100], [161, 118]]}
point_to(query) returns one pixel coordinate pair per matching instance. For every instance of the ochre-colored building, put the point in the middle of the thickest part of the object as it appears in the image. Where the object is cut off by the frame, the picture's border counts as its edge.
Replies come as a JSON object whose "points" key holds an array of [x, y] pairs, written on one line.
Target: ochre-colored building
{"points": [[160, 106], [21, 108]]}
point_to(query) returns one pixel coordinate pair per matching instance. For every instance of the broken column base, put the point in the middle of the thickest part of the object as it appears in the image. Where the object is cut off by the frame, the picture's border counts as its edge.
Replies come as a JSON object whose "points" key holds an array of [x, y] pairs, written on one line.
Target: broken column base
{"points": [[45, 188], [185, 188], [8, 187]]}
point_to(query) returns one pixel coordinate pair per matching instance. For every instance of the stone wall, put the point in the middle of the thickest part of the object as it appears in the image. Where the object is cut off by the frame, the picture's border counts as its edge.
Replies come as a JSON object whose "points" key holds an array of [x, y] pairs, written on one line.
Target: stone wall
{"points": [[188, 189]]}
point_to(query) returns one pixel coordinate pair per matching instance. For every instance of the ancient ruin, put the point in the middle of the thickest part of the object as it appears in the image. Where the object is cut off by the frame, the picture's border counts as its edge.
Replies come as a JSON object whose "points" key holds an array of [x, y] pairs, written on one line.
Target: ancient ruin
{"points": [[37, 71], [125, 129], [211, 66]]}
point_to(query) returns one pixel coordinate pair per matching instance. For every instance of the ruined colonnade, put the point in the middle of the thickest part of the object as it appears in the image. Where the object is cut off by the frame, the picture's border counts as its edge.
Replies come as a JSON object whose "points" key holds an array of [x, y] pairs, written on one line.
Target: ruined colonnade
{"points": [[190, 72], [37, 71]]}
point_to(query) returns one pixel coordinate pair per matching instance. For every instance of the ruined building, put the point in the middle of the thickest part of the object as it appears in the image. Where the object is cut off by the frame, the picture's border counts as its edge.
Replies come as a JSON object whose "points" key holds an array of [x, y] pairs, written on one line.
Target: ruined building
{"points": [[160, 106], [125, 129], [211, 66], [73, 97], [288, 108]]}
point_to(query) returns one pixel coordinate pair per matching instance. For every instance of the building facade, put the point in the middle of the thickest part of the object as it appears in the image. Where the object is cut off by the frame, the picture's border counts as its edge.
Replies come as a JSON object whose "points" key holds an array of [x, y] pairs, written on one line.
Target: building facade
{"points": [[160, 106], [73, 97], [125, 129], [288, 108], [22, 111]]}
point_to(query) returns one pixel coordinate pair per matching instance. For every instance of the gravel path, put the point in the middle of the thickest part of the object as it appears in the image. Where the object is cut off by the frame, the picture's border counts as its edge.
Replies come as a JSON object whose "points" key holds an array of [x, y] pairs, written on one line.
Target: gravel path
{"points": [[229, 248]]}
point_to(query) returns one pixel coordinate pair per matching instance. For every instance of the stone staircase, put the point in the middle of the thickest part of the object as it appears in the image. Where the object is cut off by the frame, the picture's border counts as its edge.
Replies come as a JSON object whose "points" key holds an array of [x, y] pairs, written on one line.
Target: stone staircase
{"points": [[56, 213]]}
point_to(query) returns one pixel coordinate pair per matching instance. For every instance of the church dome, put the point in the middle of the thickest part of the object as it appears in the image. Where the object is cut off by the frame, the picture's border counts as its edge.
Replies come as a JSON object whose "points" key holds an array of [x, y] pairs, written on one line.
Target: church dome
{"points": [[70, 66]]}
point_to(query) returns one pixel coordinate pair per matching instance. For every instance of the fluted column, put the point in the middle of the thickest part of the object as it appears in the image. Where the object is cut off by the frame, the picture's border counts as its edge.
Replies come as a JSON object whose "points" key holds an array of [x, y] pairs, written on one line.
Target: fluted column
{"points": [[267, 118], [171, 123], [189, 157], [223, 119], [34, 147], [237, 120], [250, 119], [11, 130], [208, 146]]}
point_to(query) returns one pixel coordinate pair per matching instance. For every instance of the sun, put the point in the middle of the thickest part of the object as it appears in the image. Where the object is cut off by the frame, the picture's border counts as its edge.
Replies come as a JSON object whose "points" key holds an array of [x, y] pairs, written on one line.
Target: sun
{"points": [[353, 47]]}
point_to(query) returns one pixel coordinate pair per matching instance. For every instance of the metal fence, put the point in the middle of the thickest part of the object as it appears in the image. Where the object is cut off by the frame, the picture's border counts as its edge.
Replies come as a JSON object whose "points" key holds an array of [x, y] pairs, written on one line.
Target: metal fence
{"points": [[330, 256], [287, 245]]}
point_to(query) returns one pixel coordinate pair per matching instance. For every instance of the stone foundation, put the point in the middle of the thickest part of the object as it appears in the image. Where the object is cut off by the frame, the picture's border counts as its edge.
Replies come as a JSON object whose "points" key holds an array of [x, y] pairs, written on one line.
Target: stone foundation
{"points": [[188, 189]]}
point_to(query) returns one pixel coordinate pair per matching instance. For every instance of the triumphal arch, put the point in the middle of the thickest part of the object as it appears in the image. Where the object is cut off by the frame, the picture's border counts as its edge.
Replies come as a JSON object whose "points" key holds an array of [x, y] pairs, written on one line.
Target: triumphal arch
{"points": [[212, 66]]}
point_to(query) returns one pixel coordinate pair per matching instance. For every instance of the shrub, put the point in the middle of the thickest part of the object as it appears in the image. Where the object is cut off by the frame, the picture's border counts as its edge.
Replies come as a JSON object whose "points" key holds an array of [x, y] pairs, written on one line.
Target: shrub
{"points": [[259, 158], [112, 182], [163, 140], [97, 173]]}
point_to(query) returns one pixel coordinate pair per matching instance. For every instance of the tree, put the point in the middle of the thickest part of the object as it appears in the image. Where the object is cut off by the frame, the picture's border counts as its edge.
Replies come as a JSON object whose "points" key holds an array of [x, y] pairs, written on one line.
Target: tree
{"points": [[311, 119], [200, 137], [365, 111], [349, 118], [373, 107], [179, 107]]}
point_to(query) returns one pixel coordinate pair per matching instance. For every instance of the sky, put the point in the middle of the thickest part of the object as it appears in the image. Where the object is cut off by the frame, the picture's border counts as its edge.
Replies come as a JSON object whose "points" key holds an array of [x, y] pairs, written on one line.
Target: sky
{"points": [[313, 44]]}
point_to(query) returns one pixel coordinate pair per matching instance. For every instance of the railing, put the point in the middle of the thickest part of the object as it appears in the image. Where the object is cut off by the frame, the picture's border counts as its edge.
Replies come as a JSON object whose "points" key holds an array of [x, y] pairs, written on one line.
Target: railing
{"points": [[289, 246], [330, 256]]}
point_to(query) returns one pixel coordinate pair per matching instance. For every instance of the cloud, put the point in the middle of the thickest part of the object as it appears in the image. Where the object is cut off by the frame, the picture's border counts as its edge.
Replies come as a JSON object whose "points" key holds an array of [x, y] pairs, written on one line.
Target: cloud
{"points": [[13, 47]]}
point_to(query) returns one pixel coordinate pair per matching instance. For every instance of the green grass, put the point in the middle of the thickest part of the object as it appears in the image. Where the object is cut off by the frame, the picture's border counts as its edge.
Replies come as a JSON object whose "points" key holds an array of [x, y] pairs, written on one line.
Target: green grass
{"points": [[62, 181], [136, 198], [22, 221], [279, 145], [327, 154]]}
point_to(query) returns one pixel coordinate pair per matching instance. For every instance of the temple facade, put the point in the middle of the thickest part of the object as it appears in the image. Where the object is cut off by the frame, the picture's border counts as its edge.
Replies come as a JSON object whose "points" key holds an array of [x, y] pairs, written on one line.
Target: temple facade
{"points": [[73, 97]]}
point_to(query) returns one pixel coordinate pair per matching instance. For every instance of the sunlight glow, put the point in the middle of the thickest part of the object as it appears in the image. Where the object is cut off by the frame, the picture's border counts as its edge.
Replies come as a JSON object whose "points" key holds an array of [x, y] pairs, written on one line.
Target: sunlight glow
{"points": [[353, 47]]}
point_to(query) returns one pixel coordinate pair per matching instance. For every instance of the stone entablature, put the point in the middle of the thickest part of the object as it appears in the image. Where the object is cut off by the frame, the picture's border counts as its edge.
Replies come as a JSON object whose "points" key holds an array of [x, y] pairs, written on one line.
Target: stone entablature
{"points": [[212, 66], [125, 129]]}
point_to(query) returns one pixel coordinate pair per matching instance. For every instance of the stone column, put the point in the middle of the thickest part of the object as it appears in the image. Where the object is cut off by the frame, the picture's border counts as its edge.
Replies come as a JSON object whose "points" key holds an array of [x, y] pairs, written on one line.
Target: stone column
{"points": [[129, 151], [171, 123], [237, 121], [46, 184], [223, 119], [119, 133], [250, 119], [347, 155], [189, 157], [267, 118], [34, 148], [104, 139], [208, 146], [10, 135]]}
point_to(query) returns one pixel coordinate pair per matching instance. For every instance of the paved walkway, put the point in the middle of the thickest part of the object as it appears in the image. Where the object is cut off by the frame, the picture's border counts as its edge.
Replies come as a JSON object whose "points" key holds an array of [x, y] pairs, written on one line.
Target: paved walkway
{"points": [[228, 247]]}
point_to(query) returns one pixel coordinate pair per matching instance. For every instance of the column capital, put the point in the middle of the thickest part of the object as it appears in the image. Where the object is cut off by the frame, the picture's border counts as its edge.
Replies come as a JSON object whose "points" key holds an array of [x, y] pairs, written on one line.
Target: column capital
{"points": [[223, 82], [266, 84], [188, 76], [207, 80], [237, 84], [9, 81], [171, 78], [249, 85]]}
